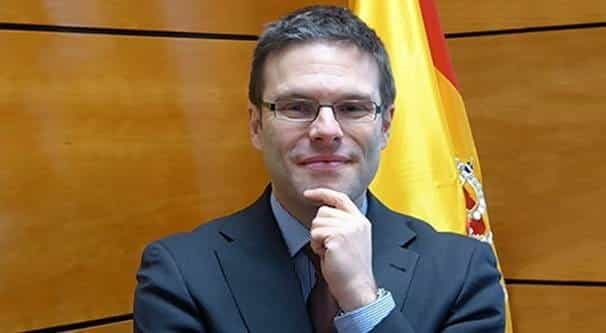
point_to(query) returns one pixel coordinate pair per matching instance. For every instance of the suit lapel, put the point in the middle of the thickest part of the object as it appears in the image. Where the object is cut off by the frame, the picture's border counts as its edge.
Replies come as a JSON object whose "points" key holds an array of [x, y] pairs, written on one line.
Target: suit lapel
{"points": [[260, 272], [393, 263]]}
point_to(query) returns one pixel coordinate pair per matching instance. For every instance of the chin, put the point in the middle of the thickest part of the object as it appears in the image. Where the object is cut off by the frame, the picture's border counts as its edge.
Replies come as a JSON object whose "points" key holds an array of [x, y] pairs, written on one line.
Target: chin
{"points": [[339, 187]]}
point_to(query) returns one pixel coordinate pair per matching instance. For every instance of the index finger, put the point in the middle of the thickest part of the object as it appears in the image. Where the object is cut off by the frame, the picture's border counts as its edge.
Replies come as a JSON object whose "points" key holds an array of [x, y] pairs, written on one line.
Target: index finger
{"points": [[332, 198]]}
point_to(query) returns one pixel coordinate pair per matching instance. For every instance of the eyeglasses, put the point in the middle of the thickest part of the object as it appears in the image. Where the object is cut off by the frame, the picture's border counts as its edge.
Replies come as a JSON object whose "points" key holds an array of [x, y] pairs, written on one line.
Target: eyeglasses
{"points": [[306, 110]]}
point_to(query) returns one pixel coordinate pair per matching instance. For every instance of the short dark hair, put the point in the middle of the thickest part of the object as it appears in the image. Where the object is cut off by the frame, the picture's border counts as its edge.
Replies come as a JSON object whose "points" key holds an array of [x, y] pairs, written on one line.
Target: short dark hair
{"points": [[320, 23]]}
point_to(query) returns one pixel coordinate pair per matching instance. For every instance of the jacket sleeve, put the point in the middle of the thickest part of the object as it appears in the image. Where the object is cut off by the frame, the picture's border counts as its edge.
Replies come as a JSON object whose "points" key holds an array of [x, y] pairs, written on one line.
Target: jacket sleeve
{"points": [[162, 301], [480, 305]]}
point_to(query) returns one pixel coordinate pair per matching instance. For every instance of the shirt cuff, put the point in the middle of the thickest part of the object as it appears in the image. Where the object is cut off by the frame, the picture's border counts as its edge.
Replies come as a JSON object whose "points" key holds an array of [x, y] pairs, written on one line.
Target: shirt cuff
{"points": [[364, 319]]}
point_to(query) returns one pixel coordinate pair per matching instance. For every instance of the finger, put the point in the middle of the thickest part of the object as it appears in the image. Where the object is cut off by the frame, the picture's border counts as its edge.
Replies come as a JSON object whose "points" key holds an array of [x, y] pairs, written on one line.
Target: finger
{"points": [[317, 239], [321, 233], [320, 222], [327, 211], [331, 198], [320, 237], [317, 248]]}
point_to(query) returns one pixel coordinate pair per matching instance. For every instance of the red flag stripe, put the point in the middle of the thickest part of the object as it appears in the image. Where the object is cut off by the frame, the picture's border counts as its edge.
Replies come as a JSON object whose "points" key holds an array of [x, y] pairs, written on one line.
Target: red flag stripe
{"points": [[437, 42]]}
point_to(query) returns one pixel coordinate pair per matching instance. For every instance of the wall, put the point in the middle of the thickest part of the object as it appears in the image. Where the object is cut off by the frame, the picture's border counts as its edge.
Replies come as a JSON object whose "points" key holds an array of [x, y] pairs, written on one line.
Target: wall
{"points": [[121, 123]]}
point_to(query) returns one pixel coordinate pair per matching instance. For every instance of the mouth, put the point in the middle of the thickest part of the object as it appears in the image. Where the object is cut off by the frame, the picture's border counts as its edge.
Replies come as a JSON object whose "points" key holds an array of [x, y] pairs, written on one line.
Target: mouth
{"points": [[324, 162]]}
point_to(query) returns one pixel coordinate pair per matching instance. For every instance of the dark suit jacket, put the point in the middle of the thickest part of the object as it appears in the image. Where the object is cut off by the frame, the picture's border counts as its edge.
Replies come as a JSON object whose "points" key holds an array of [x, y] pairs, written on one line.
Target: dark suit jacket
{"points": [[234, 274]]}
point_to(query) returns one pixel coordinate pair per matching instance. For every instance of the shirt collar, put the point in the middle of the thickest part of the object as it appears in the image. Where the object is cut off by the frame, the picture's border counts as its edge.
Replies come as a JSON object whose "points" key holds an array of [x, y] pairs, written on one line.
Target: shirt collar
{"points": [[295, 234]]}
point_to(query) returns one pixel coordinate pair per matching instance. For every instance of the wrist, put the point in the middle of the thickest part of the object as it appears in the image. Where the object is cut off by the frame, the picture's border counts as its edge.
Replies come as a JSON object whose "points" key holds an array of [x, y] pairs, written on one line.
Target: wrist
{"points": [[358, 297]]}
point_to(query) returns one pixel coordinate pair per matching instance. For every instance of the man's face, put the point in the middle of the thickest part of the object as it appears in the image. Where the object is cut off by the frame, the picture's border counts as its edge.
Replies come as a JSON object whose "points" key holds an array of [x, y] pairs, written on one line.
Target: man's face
{"points": [[325, 153]]}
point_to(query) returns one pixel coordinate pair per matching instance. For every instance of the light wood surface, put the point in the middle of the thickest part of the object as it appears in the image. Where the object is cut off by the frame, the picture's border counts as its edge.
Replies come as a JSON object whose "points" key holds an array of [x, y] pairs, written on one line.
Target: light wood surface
{"points": [[537, 108], [106, 144], [231, 16], [248, 17], [473, 15], [557, 309]]}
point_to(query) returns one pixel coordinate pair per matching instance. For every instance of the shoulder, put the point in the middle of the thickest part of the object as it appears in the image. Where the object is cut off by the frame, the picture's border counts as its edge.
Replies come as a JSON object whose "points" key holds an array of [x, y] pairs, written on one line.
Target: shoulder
{"points": [[421, 237], [461, 271], [205, 238], [197, 249], [452, 259], [178, 259], [442, 243], [449, 251]]}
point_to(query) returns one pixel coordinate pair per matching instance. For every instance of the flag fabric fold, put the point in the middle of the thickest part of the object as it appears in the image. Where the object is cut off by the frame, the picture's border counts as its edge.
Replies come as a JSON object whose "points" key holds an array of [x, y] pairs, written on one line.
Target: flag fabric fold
{"points": [[430, 168]]}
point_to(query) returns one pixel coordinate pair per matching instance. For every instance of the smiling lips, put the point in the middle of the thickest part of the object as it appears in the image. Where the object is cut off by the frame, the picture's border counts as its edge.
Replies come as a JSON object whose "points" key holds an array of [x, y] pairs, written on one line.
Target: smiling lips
{"points": [[324, 162]]}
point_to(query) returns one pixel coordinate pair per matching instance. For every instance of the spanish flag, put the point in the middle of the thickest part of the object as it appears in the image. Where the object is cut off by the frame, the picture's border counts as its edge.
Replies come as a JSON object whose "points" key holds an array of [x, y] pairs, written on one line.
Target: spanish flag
{"points": [[430, 168]]}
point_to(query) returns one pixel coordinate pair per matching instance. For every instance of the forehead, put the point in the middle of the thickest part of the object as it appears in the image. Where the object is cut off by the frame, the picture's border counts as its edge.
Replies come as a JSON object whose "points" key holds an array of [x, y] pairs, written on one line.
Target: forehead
{"points": [[321, 70]]}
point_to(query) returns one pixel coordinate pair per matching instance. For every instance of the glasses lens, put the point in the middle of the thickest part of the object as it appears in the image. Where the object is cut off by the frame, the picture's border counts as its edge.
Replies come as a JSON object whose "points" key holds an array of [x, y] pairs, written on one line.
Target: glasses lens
{"points": [[297, 109], [355, 110]]}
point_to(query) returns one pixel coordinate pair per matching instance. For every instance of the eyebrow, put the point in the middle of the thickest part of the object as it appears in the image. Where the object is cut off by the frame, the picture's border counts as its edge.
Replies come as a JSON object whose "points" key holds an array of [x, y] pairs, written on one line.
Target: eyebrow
{"points": [[297, 95]]}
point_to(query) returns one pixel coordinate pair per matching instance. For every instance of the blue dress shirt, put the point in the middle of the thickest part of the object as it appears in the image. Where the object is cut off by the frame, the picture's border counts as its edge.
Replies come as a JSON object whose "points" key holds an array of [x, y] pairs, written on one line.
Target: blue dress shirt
{"points": [[297, 236]]}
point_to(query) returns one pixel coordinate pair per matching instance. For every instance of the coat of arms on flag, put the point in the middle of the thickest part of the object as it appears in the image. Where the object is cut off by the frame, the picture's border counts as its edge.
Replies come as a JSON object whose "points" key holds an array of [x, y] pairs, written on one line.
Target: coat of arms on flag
{"points": [[475, 202]]}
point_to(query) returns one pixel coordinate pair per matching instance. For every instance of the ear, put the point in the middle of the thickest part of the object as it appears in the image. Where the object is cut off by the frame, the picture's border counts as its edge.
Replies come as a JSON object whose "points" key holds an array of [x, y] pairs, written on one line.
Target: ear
{"points": [[255, 126], [386, 119]]}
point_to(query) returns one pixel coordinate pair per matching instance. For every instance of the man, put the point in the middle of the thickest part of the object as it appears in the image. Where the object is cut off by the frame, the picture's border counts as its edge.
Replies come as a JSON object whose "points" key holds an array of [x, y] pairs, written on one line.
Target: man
{"points": [[318, 252]]}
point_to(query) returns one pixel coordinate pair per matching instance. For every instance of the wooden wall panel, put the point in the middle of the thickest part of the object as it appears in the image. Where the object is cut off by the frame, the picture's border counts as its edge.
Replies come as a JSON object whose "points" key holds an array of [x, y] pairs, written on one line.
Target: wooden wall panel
{"points": [[557, 309], [109, 142], [537, 108], [106, 144], [232, 16], [472, 15], [247, 17]]}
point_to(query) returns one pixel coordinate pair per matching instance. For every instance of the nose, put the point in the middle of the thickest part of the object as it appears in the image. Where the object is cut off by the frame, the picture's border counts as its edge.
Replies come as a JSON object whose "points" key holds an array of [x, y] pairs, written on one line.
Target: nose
{"points": [[325, 128]]}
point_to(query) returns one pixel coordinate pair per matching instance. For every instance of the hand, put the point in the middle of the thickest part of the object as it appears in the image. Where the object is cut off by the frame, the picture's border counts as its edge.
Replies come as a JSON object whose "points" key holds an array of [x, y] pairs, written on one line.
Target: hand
{"points": [[341, 236]]}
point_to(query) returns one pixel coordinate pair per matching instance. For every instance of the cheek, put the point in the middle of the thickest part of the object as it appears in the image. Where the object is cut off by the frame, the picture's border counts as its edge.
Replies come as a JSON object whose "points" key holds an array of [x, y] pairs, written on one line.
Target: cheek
{"points": [[280, 143], [369, 142]]}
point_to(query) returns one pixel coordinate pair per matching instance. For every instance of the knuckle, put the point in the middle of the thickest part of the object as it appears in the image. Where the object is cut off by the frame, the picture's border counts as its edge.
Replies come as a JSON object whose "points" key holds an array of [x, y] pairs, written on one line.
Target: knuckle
{"points": [[334, 242], [342, 198], [323, 210], [315, 222], [316, 234]]}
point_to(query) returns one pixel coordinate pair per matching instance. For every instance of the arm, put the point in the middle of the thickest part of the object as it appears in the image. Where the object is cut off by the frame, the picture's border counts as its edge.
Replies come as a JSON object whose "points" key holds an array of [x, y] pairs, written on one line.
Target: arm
{"points": [[479, 307], [162, 301]]}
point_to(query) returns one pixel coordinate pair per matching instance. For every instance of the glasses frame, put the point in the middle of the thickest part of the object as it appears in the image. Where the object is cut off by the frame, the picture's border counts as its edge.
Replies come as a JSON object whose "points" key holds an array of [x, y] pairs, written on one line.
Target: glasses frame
{"points": [[272, 106]]}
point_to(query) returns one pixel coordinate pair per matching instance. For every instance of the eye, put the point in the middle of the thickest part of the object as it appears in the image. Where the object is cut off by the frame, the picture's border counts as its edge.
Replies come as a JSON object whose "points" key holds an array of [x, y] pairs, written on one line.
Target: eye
{"points": [[355, 109], [292, 106], [296, 109]]}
